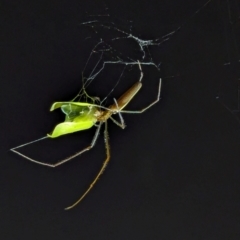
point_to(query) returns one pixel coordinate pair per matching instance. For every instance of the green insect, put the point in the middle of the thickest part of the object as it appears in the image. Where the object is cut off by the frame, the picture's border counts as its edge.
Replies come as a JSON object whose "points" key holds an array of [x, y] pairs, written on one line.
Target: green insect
{"points": [[82, 115]]}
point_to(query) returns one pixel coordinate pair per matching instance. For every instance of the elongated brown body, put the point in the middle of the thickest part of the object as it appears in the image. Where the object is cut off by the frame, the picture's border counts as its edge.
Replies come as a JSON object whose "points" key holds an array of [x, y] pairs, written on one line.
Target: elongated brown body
{"points": [[121, 102]]}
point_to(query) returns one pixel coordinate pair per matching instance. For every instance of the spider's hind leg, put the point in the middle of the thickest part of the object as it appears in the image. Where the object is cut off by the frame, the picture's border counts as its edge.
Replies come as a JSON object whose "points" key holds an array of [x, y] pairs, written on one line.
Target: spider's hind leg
{"points": [[105, 163]]}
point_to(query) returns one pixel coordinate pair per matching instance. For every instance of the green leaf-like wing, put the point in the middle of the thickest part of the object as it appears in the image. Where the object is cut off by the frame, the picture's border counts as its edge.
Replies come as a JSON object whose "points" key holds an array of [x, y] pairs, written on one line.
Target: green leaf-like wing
{"points": [[59, 104], [79, 116]]}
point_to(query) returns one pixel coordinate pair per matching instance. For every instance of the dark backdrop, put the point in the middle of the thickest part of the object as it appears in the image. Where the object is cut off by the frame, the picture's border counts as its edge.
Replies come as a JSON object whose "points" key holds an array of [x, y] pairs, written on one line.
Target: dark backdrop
{"points": [[174, 171]]}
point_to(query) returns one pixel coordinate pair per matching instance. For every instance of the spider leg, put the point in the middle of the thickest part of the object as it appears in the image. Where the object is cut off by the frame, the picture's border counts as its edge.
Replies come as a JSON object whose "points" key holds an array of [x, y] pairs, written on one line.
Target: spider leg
{"points": [[68, 158], [150, 105], [122, 124], [118, 123], [141, 72], [106, 139]]}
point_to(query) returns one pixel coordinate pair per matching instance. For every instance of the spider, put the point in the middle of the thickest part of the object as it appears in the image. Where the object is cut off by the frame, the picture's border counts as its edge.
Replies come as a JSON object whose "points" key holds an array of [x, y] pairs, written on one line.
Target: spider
{"points": [[83, 115]]}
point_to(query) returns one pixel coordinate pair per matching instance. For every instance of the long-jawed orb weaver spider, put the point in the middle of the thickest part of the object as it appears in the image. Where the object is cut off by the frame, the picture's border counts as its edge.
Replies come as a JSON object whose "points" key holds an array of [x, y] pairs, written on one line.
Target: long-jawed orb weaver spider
{"points": [[83, 115]]}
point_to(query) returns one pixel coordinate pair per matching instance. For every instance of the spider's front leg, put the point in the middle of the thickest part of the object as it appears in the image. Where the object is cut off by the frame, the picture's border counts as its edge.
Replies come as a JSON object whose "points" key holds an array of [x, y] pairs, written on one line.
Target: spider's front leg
{"points": [[150, 105], [66, 159]]}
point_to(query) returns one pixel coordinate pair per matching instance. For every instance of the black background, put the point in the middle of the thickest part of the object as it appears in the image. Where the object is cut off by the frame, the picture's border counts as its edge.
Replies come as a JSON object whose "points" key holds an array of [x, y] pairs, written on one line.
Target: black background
{"points": [[174, 171]]}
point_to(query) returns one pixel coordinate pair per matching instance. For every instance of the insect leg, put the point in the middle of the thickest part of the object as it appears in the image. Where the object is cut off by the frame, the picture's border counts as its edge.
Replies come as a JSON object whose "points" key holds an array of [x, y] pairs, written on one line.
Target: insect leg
{"points": [[106, 139]]}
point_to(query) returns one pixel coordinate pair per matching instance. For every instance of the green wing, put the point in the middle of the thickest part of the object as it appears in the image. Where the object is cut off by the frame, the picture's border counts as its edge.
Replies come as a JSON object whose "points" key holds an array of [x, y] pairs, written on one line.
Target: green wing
{"points": [[79, 116], [80, 104]]}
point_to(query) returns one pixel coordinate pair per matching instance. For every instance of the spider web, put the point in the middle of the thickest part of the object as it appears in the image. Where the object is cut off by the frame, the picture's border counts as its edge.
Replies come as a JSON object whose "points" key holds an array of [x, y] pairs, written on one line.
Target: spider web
{"points": [[228, 90], [116, 48]]}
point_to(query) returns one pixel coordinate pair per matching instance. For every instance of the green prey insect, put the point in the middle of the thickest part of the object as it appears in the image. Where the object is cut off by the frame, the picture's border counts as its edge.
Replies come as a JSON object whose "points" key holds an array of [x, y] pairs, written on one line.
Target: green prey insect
{"points": [[82, 115]]}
